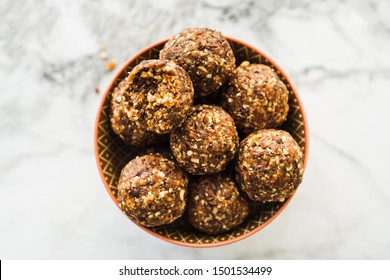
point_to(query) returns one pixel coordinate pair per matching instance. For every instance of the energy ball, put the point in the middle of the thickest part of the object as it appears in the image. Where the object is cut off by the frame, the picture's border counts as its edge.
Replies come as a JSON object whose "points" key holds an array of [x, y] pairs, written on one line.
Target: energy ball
{"points": [[269, 165], [206, 142], [152, 190], [255, 97], [206, 56], [159, 95], [131, 132], [215, 205]]}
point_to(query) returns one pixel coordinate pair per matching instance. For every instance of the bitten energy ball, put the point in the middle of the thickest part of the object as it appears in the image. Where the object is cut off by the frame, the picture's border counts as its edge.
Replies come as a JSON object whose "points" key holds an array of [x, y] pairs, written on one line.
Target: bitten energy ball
{"points": [[206, 142], [255, 97], [159, 95], [269, 166], [215, 205], [152, 190], [131, 132], [206, 56]]}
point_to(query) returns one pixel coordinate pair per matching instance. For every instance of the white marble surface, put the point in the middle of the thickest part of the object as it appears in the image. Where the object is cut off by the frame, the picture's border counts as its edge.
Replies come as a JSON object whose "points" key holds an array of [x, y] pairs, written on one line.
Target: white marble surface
{"points": [[52, 202]]}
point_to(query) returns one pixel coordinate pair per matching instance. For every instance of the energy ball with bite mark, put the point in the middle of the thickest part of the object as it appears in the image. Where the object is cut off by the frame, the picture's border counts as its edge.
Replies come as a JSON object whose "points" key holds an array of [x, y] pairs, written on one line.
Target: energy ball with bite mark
{"points": [[131, 132], [152, 190], [159, 95], [206, 56], [269, 165], [206, 142], [255, 97], [215, 204]]}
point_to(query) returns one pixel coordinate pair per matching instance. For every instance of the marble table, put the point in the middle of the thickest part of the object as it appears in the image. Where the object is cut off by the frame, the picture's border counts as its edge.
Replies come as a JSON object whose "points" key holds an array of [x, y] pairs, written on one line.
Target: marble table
{"points": [[52, 202]]}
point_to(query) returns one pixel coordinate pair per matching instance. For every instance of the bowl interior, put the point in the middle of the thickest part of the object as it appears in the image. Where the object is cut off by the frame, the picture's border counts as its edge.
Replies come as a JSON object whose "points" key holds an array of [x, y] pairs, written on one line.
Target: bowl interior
{"points": [[112, 155]]}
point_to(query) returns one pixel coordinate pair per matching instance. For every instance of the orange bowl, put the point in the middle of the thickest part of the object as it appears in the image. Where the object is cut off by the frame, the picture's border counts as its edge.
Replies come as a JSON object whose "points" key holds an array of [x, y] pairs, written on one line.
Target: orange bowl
{"points": [[112, 154]]}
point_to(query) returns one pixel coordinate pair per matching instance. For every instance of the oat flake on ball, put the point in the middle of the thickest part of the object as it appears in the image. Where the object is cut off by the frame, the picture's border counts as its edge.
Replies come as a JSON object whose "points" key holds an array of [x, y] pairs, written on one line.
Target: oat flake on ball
{"points": [[255, 97], [206, 142], [159, 95], [269, 165], [152, 190], [206, 56]]}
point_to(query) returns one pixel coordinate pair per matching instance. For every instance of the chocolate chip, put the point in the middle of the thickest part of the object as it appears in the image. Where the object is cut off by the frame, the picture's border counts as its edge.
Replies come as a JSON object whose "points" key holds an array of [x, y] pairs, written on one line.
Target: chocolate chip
{"points": [[134, 192], [278, 139], [213, 202]]}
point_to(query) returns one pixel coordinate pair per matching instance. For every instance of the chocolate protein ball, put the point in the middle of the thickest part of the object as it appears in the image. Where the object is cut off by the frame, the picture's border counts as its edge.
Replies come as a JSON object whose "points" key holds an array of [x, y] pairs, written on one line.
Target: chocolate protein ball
{"points": [[269, 165], [255, 97], [159, 95], [206, 56], [215, 205], [131, 132], [206, 142], [152, 190]]}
